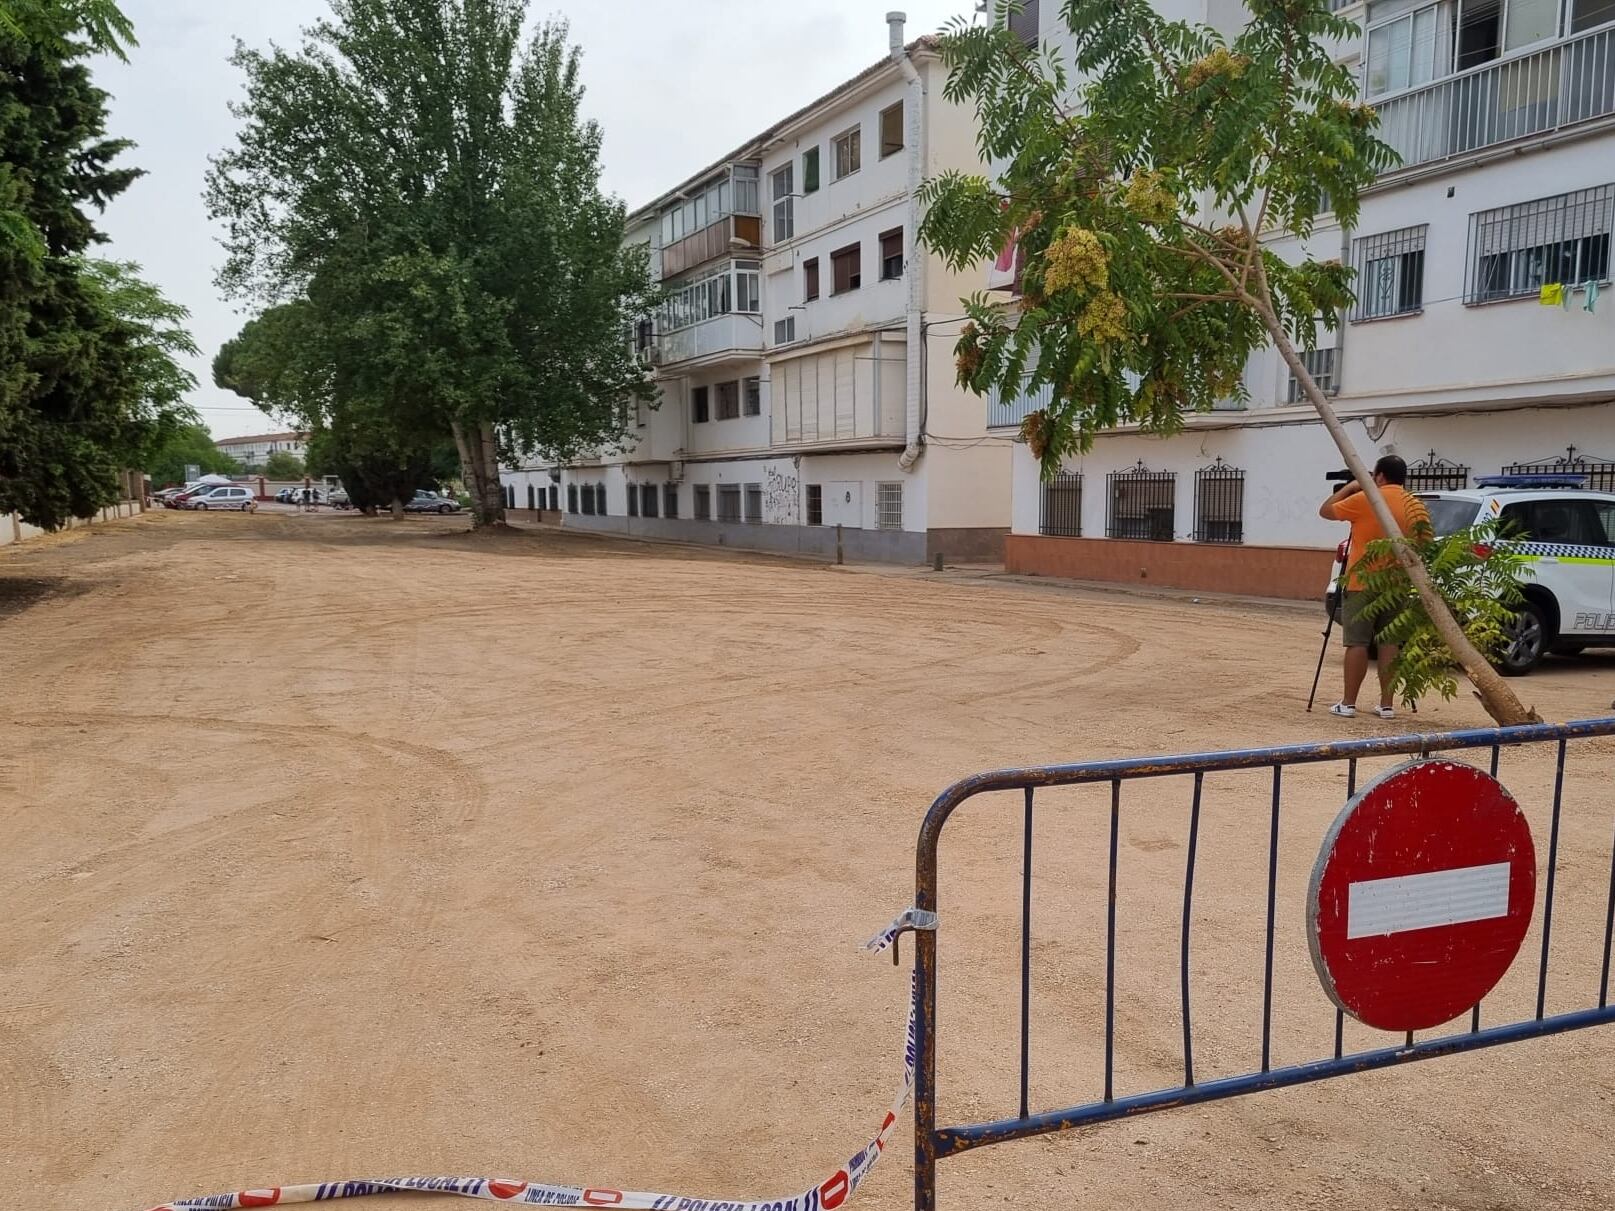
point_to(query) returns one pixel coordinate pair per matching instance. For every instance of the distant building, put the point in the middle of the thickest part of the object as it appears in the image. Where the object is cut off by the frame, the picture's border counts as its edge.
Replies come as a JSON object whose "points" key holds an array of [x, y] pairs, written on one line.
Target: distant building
{"points": [[253, 452]]}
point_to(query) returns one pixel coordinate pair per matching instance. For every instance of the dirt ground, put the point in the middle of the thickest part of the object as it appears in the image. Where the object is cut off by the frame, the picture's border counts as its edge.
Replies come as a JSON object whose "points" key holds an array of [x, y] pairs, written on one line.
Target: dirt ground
{"points": [[337, 847]]}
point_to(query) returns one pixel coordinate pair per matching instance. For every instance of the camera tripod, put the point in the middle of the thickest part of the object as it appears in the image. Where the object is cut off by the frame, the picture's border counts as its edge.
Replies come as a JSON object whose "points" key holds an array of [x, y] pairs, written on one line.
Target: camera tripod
{"points": [[1328, 629]]}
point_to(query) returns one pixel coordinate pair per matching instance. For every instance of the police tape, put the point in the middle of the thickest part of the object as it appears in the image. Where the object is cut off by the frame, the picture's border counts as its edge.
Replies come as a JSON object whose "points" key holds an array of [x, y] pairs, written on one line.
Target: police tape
{"points": [[835, 1191]]}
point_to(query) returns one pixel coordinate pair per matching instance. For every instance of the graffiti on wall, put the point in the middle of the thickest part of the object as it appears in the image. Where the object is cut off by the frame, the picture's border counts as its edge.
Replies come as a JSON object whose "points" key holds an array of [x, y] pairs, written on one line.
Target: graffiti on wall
{"points": [[782, 498]]}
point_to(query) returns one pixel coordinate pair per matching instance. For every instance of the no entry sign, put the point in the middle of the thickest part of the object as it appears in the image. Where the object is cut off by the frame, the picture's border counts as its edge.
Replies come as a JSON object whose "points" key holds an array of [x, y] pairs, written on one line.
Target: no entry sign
{"points": [[1422, 895]]}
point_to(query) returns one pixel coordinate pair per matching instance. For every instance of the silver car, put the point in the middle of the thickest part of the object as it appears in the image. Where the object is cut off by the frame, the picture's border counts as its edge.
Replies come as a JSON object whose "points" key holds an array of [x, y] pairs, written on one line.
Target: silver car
{"points": [[224, 497]]}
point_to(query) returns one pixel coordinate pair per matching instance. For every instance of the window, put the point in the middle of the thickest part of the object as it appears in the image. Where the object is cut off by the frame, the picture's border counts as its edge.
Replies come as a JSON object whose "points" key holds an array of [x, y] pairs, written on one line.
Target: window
{"points": [[1488, 29], [703, 502], [784, 185], [889, 506], [633, 500], [555, 498], [532, 498], [810, 169], [785, 330], [1572, 522], [1516, 250], [700, 410], [1320, 364], [815, 504], [1061, 510], [891, 130], [748, 293], [733, 287], [754, 396], [733, 193], [849, 152], [1586, 14], [1219, 504], [845, 269], [810, 279], [600, 499], [754, 504], [1142, 504], [648, 496], [891, 254], [588, 500], [1402, 51], [1023, 24], [728, 400], [670, 500], [644, 335], [1390, 273], [571, 498], [729, 502]]}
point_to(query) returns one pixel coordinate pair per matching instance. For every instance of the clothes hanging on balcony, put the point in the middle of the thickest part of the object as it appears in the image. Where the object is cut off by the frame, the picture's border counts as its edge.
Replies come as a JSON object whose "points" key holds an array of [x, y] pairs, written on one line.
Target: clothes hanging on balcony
{"points": [[1553, 295]]}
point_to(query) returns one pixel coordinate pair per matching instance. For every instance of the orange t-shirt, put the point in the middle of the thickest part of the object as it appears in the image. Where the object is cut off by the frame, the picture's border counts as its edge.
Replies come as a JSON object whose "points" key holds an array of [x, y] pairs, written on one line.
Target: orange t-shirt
{"points": [[1407, 508]]}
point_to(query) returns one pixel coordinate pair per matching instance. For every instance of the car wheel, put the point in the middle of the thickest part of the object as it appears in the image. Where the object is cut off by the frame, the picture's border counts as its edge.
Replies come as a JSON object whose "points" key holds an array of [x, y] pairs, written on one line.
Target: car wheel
{"points": [[1527, 642], [445, 508], [202, 505], [250, 507]]}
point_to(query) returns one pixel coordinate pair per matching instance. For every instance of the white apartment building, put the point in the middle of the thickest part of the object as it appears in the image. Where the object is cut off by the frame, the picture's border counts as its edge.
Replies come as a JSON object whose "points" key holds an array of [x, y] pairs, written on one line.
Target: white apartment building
{"points": [[1503, 112], [253, 452], [805, 355]]}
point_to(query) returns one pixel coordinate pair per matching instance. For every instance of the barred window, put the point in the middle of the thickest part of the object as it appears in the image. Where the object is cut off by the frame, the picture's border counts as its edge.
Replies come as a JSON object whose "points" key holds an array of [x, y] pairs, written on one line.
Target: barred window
{"points": [[1516, 250], [889, 506], [703, 502], [1320, 363], [815, 504], [588, 500], [555, 499], [532, 498], [729, 502], [1219, 504], [1142, 504], [600, 498], [754, 397], [728, 400], [633, 500], [1390, 272], [670, 500], [1435, 474], [571, 498], [648, 494], [754, 504], [1061, 510]]}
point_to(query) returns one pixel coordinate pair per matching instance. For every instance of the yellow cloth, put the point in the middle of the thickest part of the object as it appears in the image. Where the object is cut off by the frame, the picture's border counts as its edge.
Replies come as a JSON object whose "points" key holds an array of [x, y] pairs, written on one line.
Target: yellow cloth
{"points": [[1553, 295]]}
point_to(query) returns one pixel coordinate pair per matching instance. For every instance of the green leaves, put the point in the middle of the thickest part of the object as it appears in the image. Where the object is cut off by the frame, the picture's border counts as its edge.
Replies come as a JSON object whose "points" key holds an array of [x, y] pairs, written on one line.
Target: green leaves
{"points": [[1480, 578], [1177, 153]]}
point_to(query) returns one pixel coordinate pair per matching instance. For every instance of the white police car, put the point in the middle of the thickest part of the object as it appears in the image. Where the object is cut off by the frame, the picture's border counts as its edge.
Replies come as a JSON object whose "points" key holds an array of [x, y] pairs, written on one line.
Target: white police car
{"points": [[1567, 534]]}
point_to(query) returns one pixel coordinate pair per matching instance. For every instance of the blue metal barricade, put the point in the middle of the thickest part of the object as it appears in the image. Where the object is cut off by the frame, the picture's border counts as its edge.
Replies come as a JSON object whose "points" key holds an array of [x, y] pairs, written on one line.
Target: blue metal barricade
{"points": [[933, 1143]]}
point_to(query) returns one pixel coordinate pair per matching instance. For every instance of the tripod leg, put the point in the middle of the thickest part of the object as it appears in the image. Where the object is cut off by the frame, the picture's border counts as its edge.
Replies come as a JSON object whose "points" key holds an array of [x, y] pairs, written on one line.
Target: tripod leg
{"points": [[1322, 656]]}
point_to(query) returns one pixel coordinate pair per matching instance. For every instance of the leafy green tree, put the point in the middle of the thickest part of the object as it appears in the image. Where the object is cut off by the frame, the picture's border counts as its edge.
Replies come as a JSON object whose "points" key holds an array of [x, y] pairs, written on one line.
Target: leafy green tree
{"points": [[424, 184], [187, 445], [1477, 572], [283, 464], [1141, 180]]}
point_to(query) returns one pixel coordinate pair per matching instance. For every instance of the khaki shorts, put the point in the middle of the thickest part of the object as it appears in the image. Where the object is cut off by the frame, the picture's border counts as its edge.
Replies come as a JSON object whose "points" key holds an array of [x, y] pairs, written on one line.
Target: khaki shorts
{"points": [[1357, 629]]}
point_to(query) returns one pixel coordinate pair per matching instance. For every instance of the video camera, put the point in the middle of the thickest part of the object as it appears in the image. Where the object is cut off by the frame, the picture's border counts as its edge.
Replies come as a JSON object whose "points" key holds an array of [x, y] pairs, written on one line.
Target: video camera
{"points": [[1339, 477]]}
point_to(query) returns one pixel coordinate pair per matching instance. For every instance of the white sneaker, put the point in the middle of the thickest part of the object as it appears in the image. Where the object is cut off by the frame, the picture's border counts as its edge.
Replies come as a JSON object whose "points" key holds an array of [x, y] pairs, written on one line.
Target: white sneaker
{"points": [[1385, 712], [1344, 711]]}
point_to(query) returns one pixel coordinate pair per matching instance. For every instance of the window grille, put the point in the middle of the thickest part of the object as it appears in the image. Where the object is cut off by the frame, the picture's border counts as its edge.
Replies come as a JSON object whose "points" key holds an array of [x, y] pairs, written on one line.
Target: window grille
{"points": [[1219, 504], [1435, 474], [703, 502], [1390, 273], [889, 506], [729, 502], [1600, 472], [1061, 510], [1320, 363], [1516, 250], [1142, 504]]}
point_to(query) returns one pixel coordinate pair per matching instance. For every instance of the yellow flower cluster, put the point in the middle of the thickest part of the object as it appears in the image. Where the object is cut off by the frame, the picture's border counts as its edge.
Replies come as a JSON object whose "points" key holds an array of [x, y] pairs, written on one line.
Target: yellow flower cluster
{"points": [[967, 354], [1220, 62], [1104, 320], [1076, 258], [1148, 197]]}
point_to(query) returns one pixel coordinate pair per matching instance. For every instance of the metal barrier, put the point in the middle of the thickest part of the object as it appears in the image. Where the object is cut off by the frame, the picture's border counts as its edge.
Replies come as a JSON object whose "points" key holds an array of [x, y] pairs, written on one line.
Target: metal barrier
{"points": [[932, 1143]]}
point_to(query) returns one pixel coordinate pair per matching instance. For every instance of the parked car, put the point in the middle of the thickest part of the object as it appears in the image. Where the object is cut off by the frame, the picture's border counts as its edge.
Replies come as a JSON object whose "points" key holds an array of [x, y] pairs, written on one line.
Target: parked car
{"points": [[1566, 533], [180, 499], [432, 502], [338, 499], [301, 496], [216, 497]]}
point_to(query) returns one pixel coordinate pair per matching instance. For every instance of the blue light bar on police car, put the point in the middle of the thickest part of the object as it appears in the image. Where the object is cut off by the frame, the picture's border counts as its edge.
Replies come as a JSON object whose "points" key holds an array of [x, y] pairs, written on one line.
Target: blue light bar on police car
{"points": [[1531, 481]]}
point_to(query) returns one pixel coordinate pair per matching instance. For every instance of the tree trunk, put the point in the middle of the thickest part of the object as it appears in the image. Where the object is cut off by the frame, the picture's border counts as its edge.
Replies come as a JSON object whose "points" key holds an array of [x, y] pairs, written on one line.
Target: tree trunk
{"points": [[479, 458], [397, 509], [1500, 701]]}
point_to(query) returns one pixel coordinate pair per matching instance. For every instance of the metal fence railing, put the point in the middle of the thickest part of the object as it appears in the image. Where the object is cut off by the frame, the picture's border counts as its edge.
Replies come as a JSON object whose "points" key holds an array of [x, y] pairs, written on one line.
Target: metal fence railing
{"points": [[1600, 472], [1435, 474], [1568, 82], [1154, 785]]}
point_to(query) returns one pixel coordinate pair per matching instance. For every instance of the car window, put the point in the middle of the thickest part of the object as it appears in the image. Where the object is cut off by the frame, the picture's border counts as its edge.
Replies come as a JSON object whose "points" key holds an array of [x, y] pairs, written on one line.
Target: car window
{"points": [[1605, 510], [1450, 514], [1562, 521]]}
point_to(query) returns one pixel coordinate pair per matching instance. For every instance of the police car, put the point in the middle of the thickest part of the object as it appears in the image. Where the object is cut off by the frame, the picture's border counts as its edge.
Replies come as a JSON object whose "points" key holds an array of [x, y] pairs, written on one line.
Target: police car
{"points": [[1567, 534]]}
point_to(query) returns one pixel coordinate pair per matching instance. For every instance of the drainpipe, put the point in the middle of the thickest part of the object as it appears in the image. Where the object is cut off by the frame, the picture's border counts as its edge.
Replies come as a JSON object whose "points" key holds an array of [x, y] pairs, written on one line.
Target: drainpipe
{"points": [[914, 112]]}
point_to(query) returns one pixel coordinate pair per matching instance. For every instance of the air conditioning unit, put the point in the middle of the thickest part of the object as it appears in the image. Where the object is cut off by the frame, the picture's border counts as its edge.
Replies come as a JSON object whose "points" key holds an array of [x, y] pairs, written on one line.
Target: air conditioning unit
{"points": [[650, 356]]}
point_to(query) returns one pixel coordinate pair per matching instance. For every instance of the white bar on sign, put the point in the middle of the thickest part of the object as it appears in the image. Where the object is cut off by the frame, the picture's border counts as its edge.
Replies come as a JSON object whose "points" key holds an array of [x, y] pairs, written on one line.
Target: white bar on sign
{"points": [[1439, 897]]}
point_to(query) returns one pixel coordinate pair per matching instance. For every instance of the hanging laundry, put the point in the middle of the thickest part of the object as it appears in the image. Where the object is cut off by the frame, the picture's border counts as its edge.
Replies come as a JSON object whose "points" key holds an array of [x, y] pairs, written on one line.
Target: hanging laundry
{"points": [[1553, 295], [1592, 296]]}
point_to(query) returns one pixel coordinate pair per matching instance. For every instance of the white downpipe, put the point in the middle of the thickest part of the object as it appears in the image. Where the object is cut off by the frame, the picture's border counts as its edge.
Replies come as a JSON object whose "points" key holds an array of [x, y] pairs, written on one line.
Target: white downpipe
{"points": [[914, 113]]}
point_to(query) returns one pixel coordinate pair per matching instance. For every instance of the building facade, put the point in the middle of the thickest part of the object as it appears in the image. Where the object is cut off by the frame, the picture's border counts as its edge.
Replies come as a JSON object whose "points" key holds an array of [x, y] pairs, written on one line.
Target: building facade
{"points": [[253, 452], [804, 356], [1503, 113]]}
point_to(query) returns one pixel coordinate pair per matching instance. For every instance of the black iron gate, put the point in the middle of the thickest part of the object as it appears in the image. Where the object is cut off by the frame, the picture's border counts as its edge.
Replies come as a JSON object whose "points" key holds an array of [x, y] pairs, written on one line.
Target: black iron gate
{"points": [[933, 1143]]}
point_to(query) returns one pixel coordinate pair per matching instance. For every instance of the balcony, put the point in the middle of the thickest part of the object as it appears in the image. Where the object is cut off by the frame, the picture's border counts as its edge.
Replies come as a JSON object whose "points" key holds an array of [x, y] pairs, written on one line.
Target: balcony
{"points": [[1531, 94], [719, 339], [1008, 412], [732, 233]]}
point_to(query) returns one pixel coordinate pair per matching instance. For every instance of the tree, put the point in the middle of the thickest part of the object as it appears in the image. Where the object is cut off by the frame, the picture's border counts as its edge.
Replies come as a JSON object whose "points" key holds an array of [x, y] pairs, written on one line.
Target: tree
{"points": [[187, 446], [1141, 211], [283, 464], [426, 187], [89, 380]]}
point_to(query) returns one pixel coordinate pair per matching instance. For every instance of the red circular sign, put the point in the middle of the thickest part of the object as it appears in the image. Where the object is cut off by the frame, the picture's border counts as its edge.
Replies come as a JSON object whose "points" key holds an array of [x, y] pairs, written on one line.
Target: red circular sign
{"points": [[1422, 895]]}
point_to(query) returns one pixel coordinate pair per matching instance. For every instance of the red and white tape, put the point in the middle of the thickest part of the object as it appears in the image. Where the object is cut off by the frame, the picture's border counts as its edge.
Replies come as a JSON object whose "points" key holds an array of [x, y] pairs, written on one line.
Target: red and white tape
{"points": [[835, 1191]]}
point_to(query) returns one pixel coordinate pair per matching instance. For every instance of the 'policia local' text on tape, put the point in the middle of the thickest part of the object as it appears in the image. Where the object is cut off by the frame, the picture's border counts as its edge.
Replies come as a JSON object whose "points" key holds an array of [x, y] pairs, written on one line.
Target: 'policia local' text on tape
{"points": [[835, 1191]]}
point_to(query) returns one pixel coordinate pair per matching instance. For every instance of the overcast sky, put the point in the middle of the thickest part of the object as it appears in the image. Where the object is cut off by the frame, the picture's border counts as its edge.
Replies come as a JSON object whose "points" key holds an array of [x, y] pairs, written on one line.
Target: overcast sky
{"points": [[674, 86]]}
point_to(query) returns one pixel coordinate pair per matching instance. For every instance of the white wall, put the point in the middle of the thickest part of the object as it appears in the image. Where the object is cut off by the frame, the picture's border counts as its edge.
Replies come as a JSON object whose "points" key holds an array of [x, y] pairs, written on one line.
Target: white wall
{"points": [[1285, 464]]}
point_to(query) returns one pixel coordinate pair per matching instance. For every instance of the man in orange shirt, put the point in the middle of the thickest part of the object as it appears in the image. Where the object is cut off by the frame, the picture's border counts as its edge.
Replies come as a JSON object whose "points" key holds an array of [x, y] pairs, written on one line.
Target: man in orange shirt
{"points": [[1360, 632]]}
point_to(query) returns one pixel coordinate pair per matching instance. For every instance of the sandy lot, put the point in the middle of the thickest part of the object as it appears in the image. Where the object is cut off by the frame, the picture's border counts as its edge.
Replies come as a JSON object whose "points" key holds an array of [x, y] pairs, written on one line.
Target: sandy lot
{"points": [[335, 847]]}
